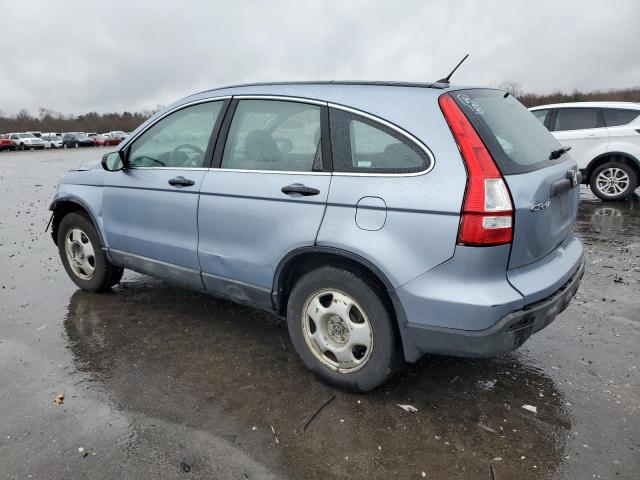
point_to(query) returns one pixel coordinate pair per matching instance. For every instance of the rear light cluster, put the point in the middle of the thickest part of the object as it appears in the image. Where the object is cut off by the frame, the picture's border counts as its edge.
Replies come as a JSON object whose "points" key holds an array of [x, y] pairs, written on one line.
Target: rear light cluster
{"points": [[487, 212]]}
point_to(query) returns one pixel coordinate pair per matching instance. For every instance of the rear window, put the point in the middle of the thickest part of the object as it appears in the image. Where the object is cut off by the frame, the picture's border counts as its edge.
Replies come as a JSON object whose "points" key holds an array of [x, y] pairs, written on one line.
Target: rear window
{"points": [[619, 116], [516, 139]]}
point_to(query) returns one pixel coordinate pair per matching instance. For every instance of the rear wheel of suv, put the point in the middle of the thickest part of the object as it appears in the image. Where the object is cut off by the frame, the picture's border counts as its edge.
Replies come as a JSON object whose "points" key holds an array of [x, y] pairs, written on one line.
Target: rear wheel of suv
{"points": [[613, 181], [341, 329], [82, 255]]}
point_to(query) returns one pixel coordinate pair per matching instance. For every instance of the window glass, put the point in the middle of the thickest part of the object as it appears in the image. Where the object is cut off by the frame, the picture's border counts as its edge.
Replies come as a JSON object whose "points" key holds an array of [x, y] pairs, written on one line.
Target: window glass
{"points": [[619, 116], [541, 115], [361, 145], [179, 140], [273, 135], [575, 119], [516, 140]]}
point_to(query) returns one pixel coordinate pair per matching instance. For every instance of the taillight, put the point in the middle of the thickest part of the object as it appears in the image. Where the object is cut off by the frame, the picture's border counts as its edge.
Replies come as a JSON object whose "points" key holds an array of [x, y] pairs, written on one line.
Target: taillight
{"points": [[487, 212]]}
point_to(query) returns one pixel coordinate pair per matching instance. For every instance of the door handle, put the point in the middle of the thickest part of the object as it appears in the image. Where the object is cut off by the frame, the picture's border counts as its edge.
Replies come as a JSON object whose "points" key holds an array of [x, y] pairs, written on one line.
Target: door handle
{"points": [[301, 189], [181, 181]]}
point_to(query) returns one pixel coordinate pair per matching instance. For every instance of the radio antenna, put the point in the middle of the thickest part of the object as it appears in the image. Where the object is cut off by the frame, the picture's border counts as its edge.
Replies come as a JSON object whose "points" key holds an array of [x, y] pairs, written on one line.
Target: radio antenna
{"points": [[446, 79]]}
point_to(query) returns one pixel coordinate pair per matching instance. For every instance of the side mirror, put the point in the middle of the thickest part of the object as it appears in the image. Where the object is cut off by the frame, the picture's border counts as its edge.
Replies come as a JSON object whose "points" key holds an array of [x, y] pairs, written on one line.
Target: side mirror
{"points": [[113, 161]]}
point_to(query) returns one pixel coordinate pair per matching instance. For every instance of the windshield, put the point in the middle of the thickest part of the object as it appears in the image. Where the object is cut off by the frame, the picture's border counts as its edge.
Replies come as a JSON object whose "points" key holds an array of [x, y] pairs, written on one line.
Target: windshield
{"points": [[518, 142], [26, 135]]}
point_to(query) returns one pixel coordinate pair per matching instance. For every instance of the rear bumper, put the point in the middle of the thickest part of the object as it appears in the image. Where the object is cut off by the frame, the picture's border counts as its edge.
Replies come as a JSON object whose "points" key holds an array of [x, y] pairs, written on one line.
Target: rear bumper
{"points": [[505, 335]]}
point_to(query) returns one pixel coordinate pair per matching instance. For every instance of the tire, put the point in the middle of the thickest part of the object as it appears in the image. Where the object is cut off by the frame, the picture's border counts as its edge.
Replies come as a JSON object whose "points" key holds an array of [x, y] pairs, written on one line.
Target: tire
{"points": [[332, 288], [613, 181], [21, 147], [98, 275]]}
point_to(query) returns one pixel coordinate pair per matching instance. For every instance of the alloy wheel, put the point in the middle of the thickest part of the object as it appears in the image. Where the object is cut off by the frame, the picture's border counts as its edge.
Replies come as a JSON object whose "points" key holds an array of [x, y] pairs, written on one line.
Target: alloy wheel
{"points": [[612, 181]]}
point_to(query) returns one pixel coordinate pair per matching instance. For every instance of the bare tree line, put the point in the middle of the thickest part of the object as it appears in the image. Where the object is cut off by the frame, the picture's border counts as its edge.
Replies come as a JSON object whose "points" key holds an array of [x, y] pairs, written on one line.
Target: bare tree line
{"points": [[50, 121], [534, 99]]}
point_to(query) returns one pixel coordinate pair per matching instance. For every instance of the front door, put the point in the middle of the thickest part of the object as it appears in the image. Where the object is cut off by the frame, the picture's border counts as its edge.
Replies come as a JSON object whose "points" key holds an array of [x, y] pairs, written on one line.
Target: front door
{"points": [[150, 208], [267, 199]]}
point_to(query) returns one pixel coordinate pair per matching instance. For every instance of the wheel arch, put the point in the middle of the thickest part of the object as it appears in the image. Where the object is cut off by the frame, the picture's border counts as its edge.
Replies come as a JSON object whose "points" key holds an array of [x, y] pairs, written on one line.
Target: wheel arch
{"points": [[608, 156], [302, 260], [64, 205]]}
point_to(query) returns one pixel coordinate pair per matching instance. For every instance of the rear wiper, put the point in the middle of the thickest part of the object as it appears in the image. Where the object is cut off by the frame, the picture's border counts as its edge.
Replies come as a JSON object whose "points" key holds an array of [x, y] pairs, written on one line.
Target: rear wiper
{"points": [[558, 153]]}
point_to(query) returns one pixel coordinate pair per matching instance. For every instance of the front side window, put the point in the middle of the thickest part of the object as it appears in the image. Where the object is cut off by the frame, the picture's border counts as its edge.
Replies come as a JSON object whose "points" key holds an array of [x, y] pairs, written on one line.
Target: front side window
{"points": [[614, 117], [361, 145], [575, 119], [179, 140], [274, 135]]}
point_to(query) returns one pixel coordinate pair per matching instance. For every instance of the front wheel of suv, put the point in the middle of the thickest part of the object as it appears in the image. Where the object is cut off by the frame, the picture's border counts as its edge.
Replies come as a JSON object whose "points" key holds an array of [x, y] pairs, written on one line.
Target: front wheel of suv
{"points": [[82, 256], [342, 330], [613, 181]]}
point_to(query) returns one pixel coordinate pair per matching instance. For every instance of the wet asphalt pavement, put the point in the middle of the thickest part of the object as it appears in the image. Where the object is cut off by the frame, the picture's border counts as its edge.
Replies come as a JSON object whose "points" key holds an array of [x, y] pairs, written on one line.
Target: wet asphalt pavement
{"points": [[162, 382]]}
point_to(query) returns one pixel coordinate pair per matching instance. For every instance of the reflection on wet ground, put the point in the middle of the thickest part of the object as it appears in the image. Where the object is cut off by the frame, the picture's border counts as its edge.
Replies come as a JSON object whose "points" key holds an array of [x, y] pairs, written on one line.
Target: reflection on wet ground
{"points": [[608, 221], [183, 345], [162, 382]]}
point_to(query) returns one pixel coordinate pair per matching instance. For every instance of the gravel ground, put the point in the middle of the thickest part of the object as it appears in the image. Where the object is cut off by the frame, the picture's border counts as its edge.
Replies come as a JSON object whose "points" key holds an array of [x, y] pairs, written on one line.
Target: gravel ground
{"points": [[162, 382]]}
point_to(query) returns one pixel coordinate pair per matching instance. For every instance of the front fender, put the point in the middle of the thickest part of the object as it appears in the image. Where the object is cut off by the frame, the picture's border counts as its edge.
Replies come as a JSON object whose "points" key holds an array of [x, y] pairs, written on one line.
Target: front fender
{"points": [[71, 197]]}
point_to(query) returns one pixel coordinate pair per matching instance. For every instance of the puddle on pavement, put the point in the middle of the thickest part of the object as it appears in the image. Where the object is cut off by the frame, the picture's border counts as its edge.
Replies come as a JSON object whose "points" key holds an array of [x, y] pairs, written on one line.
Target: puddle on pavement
{"points": [[208, 363]]}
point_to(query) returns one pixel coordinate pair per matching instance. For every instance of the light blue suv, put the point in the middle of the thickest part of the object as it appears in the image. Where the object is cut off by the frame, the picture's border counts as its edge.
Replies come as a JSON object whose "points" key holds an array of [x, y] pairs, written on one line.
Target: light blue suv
{"points": [[383, 220]]}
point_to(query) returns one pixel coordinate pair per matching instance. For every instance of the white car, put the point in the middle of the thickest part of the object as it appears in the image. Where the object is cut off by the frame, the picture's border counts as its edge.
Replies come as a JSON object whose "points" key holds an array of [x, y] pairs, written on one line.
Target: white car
{"points": [[26, 141], [605, 142], [52, 141]]}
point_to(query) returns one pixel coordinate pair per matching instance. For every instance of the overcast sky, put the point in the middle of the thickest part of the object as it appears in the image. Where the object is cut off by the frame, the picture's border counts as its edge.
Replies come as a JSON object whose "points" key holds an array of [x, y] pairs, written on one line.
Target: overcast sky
{"points": [[80, 56]]}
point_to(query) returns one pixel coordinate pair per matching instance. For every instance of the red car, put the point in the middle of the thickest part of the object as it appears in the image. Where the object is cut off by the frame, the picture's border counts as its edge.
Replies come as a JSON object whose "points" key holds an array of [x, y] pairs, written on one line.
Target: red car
{"points": [[103, 140], [6, 143]]}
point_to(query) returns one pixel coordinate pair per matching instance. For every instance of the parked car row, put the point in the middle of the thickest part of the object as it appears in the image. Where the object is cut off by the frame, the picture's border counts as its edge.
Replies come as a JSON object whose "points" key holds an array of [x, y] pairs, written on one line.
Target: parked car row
{"points": [[39, 140]]}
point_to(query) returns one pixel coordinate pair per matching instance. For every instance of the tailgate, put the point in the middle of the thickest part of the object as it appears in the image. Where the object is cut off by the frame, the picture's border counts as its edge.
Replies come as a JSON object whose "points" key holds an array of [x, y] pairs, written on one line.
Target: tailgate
{"points": [[544, 189], [545, 204]]}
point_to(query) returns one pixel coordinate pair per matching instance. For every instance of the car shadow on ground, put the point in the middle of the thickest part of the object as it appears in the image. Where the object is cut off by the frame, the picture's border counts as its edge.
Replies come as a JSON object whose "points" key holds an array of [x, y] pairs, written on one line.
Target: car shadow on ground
{"points": [[208, 363]]}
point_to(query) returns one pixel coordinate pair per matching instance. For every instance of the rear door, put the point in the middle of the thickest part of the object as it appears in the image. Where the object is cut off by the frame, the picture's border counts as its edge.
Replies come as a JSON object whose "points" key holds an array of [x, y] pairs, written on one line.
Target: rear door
{"points": [[544, 190], [267, 198], [623, 125], [583, 130]]}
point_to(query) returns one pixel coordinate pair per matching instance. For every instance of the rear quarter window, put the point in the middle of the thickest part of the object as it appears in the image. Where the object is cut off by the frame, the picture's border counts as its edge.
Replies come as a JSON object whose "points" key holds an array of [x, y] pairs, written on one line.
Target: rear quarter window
{"points": [[516, 139], [362, 145], [614, 117]]}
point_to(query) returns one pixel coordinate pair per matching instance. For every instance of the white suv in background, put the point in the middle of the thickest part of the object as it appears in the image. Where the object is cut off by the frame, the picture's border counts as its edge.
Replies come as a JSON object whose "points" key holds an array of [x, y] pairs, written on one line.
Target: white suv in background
{"points": [[605, 141]]}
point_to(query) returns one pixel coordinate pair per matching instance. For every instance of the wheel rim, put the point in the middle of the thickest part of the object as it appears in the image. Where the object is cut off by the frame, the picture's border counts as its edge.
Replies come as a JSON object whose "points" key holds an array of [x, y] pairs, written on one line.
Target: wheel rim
{"points": [[612, 181], [337, 330], [80, 253]]}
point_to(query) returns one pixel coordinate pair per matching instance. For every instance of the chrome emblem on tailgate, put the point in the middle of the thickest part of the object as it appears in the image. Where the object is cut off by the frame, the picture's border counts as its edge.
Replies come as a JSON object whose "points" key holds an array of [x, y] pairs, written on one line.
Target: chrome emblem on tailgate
{"points": [[540, 206]]}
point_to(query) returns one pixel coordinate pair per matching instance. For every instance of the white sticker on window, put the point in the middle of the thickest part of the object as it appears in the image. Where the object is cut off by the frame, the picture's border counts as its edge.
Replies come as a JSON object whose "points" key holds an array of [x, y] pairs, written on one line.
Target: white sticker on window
{"points": [[364, 163], [471, 104]]}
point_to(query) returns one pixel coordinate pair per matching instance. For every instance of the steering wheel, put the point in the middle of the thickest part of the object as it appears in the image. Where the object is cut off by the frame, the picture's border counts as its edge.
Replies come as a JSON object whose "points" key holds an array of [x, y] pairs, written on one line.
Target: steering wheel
{"points": [[189, 162]]}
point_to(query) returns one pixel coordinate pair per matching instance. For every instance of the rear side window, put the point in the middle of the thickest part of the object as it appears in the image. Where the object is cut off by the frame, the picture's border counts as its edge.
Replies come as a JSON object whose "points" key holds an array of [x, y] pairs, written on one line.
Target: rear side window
{"points": [[614, 117], [517, 141], [361, 145], [576, 119], [274, 135]]}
